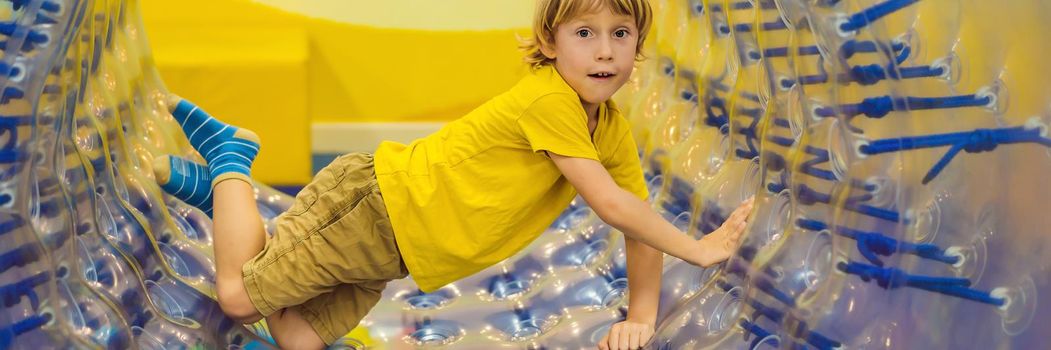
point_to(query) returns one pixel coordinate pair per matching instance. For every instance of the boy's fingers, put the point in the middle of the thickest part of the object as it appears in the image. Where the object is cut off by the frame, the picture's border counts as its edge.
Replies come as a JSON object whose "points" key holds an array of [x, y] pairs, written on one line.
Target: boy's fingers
{"points": [[633, 338], [735, 216], [745, 207], [647, 334], [740, 214], [614, 337], [738, 231]]}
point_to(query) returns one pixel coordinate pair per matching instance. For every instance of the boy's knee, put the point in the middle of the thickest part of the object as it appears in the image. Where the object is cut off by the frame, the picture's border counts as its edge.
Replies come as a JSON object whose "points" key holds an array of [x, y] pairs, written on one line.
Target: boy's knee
{"points": [[291, 331], [235, 303], [299, 342]]}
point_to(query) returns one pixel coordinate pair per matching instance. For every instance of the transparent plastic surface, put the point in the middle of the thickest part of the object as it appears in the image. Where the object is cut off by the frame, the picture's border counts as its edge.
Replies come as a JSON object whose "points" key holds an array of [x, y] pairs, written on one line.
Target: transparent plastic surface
{"points": [[897, 151]]}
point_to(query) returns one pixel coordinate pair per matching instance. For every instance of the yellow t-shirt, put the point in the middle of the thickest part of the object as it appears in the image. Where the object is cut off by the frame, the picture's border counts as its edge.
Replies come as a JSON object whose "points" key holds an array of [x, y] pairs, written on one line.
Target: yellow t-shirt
{"points": [[481, 188]]}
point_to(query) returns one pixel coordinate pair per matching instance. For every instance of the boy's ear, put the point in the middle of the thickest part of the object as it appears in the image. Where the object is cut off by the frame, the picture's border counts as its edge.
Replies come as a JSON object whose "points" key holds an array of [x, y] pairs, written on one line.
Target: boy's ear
{"points": [[548, 51]]}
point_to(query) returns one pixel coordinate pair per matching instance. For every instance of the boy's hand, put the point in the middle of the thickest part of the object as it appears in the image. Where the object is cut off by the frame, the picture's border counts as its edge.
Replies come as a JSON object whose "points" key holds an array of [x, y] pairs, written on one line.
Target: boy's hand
{"points": [[626, 335], [721, 243]]}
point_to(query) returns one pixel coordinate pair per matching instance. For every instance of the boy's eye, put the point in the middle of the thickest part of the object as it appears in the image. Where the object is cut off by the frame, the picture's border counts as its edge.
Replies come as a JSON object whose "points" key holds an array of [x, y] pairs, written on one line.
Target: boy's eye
{"points": [[583, 33], [621, 33]]}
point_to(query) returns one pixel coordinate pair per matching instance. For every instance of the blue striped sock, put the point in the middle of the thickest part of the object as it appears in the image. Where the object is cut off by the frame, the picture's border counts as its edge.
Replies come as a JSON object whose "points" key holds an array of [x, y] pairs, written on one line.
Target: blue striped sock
{"points": [[229, 150], [186, 180]]}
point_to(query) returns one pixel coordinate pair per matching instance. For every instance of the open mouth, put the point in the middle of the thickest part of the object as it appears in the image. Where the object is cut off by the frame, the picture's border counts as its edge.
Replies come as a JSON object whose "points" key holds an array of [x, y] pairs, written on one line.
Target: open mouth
{"points": [[602, 75]]}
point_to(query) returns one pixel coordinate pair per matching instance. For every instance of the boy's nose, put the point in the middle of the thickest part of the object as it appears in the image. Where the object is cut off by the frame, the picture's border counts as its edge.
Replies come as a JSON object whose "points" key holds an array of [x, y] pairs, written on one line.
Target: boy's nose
{"points": [[605, 51]]}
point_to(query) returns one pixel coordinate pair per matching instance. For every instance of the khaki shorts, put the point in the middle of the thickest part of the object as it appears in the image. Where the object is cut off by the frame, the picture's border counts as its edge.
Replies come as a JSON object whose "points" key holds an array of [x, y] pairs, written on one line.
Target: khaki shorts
{"points": [[333, 251]]}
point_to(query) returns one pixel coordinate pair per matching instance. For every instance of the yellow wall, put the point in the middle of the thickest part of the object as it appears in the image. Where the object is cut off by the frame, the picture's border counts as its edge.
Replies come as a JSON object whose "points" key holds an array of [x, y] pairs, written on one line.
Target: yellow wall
{"points": [[280, 66], [416, 14]]}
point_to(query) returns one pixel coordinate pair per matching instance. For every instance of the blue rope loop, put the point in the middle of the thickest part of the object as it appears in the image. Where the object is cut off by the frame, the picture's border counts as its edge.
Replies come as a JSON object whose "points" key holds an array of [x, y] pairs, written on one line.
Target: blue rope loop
{"points": [[810, 166], [773, 161], [711, 218], [763, 310], [27, 46], [8, 334], [715, 108], [874, 73], [821, 342], [681, 191], [888, 278], [10, 28], [879, 106], [9, 70], [669, 69], [10, 225], [768, 287], [916, 72], [782, 51], [743, 5], [19, 257], [800, 330], [11, 93], [874, 107], [12, 293], [872, 244], [808, 196], [867, 74], [865, 17], [49, 6], [750, 96], [778, 183], [747, 252], [847, 50], [851, 47], [754, 113], [892, 278], [782, 123], [10, 126], [689, 96], [975, 141], [656, 159], [753, 328], [723, 285], [776, 24], [781, 141], [44, 19], [751, 150]]}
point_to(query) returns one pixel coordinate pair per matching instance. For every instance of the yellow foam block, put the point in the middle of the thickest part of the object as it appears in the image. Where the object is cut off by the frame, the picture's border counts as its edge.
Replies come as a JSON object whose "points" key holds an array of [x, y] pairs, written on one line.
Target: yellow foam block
{"points": [[367, 73], [250, 76]]}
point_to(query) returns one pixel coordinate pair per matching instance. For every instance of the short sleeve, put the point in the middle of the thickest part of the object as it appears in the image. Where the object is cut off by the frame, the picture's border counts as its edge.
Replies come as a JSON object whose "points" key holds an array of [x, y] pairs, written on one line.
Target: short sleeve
{"points": [[626, 169], [556, 123]]}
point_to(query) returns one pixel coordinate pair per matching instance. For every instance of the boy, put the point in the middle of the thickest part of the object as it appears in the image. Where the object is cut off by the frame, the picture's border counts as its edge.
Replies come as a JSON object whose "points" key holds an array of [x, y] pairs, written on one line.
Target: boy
{"points": [[448, 205]]}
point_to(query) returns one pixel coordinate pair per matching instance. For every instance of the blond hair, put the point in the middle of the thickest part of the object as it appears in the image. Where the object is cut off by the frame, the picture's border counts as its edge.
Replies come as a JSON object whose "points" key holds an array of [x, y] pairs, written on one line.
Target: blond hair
{"points": [[552, 13]]}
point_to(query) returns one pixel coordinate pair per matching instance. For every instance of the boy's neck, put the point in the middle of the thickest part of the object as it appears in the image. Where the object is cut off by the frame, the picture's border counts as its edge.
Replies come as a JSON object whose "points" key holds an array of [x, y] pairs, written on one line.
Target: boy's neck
{"points": [[591, 109]]}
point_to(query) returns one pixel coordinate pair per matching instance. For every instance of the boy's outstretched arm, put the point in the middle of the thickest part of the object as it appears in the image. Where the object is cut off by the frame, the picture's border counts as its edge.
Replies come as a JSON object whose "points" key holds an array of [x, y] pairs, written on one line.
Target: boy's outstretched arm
{"points": [[631, 215], [645, 230]]}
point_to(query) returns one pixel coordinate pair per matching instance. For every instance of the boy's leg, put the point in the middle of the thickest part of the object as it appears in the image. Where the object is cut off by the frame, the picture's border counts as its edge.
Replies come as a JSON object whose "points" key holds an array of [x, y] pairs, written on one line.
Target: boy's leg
{"points": [[237, 226], [239, 236], [291, 331], [331, 254], [332, 315]]}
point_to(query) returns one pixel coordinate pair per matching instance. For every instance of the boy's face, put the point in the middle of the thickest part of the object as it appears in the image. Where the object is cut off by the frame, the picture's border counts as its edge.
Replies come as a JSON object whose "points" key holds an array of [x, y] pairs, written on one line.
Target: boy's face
{"points": [[595, 54]]}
